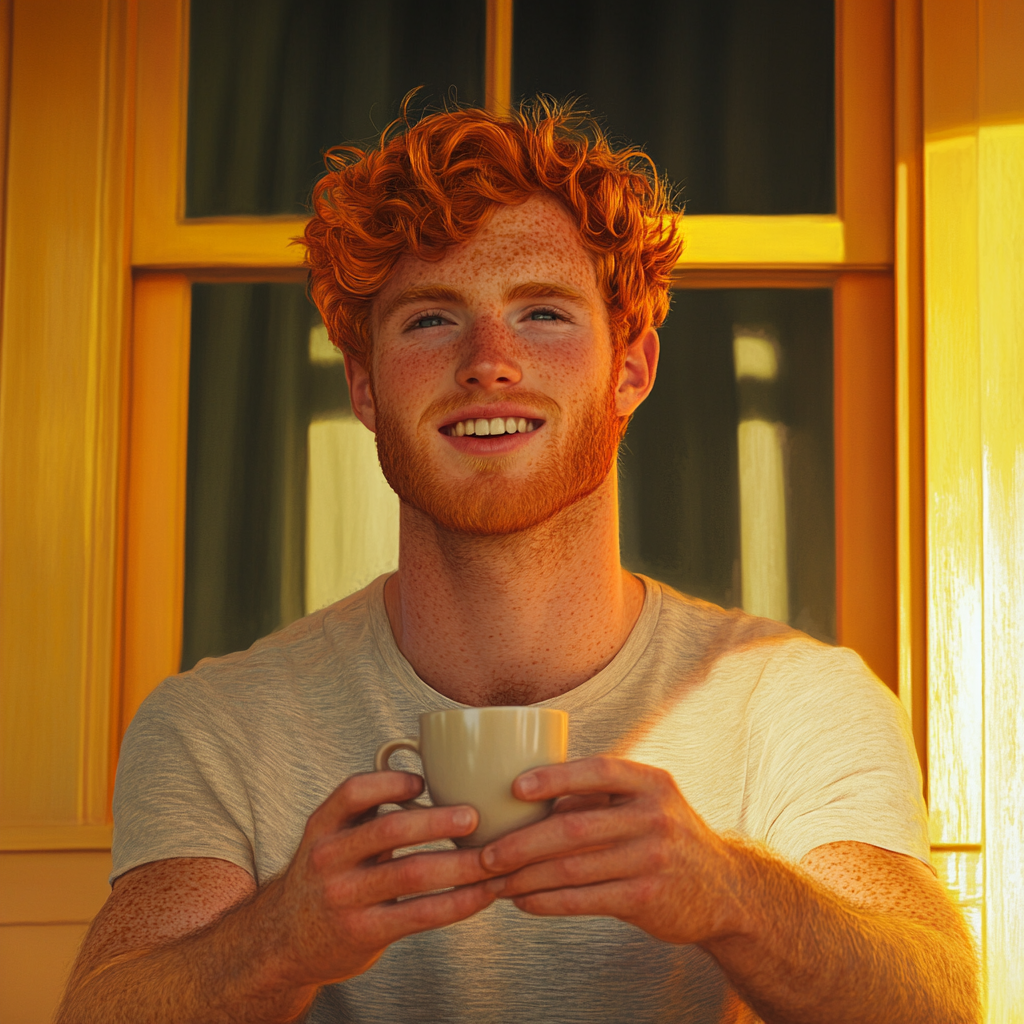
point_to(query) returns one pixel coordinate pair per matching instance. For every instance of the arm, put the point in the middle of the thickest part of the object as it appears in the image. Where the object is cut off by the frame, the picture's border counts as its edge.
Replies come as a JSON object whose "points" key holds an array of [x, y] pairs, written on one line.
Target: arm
{"points": [[857, 934], [185, 940]]}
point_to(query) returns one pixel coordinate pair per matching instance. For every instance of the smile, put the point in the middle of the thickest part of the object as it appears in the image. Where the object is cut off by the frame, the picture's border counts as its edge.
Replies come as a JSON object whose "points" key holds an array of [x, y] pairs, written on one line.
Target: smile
{"points": [[491, 427]]}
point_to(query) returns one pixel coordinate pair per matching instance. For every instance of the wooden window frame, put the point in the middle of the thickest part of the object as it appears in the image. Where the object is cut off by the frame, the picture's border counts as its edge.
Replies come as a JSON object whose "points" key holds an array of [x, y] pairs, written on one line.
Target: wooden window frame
{"points": [[850, 252]]}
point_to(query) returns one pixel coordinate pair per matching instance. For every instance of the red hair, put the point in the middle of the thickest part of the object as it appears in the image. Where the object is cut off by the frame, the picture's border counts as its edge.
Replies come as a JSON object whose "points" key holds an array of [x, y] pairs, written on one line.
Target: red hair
{"points": [[433, 184]]}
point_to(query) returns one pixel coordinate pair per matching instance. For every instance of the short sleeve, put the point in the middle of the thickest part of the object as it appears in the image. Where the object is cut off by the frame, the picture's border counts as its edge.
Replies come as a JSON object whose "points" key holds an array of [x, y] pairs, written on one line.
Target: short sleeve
{"points": [[178, 791], [831, 757]]}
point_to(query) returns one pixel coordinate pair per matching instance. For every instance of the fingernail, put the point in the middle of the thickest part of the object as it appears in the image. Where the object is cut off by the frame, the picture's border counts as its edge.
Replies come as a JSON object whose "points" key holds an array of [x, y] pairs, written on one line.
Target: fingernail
{"points": [[528, 784], [495, 886], [488, 858], [462, 818]]}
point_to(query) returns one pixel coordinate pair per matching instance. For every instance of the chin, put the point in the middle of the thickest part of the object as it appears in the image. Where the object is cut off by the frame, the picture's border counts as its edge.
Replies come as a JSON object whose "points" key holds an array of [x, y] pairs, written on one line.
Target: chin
{"points": [[491, 503], [498, 511]]}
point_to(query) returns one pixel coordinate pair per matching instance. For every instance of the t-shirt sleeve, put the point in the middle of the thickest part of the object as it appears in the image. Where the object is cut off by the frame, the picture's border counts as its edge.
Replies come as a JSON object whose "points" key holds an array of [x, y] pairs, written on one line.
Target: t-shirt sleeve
{"points": [[831, 756], [178, 790]]}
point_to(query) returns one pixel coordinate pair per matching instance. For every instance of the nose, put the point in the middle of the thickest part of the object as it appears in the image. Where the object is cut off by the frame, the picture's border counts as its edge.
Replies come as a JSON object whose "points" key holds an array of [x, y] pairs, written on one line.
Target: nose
{"points": [[489, 361]]}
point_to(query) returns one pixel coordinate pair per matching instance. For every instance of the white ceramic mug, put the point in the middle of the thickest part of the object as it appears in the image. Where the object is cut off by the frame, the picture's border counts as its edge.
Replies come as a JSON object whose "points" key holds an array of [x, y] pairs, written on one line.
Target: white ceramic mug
{"points": [[473, 755]]}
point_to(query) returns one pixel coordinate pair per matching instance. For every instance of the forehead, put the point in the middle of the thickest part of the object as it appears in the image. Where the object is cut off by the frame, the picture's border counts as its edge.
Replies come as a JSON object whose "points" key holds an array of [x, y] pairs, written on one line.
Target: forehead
{"points": [[537, 240]]}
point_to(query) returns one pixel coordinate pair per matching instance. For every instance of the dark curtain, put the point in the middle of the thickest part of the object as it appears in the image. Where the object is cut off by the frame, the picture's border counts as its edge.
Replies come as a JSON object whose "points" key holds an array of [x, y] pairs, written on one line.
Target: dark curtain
{"points": [[733, 99], [678, 472], [272, 83], [252, 393]]}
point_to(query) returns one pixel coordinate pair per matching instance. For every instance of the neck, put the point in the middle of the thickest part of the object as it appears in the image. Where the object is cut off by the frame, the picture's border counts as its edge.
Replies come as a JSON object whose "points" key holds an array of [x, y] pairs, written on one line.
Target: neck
{"points": [[513, 619]]}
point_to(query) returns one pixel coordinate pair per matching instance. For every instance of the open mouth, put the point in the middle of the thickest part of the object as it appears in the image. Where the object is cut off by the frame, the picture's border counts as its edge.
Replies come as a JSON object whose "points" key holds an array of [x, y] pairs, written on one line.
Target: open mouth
{"points": [[491, 427]]}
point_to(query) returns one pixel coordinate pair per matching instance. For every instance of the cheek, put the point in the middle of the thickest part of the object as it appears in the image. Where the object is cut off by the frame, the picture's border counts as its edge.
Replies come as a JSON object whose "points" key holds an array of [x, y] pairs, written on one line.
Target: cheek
{"points": [[400, 377], [578, 369]]}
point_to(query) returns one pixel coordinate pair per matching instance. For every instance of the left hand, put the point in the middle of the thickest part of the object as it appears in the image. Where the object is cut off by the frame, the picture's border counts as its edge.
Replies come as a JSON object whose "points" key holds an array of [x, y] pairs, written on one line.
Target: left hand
{"points": [[623, 842]]}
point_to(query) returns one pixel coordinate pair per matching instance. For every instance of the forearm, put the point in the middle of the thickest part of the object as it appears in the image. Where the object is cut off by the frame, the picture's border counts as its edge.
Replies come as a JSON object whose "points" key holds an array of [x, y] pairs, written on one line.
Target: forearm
{"points": [[804, 955], [228, 971]]}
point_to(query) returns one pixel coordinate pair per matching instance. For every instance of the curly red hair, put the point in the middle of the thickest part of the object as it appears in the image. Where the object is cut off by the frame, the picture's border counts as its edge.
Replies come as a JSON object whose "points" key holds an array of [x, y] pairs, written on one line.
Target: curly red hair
{"points": [[431, 185]]}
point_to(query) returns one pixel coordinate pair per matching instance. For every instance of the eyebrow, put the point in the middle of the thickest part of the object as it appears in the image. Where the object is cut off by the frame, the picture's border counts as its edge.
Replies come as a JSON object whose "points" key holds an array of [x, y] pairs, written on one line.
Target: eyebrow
{"points": [[437, 293], [543, 289]]}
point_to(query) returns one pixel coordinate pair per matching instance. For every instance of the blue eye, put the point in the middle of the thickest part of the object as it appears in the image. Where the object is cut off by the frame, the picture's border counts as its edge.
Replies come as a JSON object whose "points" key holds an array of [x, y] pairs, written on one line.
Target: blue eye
{"points": [[429, 321], [543, 314]]}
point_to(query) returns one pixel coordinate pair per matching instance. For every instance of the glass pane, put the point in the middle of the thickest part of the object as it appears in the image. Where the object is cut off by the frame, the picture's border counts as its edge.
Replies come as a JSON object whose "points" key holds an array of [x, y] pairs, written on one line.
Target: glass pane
{"points": [[734, 100], [726, 474], [286, 507], [272, 83]]}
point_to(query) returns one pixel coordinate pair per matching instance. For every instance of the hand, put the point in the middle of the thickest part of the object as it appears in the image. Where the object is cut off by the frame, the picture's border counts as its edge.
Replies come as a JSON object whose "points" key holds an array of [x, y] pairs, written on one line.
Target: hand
{"points": [[623, 842], [337, 907]]}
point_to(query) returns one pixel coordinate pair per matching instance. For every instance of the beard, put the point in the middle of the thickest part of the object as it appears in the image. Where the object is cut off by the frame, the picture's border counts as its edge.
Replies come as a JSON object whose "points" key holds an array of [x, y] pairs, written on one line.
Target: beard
{"points": [[491, 502]]}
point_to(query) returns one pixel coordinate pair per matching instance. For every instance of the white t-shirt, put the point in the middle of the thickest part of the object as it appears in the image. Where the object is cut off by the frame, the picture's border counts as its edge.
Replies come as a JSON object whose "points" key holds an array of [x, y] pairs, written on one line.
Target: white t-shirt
{"points": [[768, 734]]}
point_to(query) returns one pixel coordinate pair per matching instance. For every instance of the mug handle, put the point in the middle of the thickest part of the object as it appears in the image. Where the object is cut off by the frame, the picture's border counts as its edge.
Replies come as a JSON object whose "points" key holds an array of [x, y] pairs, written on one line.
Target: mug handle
{"points": [[383, 755]]}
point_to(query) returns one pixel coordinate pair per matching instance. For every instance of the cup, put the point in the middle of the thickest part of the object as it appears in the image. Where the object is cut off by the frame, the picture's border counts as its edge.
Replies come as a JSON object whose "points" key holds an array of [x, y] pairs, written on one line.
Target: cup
{"points": [[473, 755]]}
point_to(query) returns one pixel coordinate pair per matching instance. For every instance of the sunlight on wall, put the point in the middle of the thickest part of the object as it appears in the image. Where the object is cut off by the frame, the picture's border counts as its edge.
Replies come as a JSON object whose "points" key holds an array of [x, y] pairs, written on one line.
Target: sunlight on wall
{"points": [[962, 872], [974, 366], [351, 512], [762, 491]]}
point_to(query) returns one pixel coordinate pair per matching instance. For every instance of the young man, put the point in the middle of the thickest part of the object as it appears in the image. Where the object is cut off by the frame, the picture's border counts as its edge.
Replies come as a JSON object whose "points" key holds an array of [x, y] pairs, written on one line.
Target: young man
{"points": [[740, 827]]}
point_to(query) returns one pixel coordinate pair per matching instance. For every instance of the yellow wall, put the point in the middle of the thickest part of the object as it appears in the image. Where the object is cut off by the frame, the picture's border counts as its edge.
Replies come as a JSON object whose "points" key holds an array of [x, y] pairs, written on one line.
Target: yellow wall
{"points": [[973, 244], [65, 287]]}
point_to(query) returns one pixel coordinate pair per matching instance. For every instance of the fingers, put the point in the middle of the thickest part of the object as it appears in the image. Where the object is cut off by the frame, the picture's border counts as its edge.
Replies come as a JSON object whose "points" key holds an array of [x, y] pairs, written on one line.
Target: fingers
{"points": [[419, 873], [578, 870], [607, 899], [581, 802], [590, 775], [561, 834], [397, 920], [359, 794], [370, 840]]}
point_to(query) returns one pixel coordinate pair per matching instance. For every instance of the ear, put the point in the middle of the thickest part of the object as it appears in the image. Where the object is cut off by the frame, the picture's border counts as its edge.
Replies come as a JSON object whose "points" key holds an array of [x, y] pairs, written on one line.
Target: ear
{"points": [[639, 367], [360, 392]]}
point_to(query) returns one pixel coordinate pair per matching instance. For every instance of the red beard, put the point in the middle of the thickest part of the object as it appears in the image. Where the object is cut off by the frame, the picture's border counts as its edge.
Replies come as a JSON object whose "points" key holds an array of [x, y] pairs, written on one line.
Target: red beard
{"points": [[489, 503]]}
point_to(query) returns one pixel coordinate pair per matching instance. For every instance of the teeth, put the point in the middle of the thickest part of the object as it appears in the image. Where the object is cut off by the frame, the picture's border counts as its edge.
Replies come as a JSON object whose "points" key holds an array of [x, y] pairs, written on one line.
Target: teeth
{"points": [[491, 427]]}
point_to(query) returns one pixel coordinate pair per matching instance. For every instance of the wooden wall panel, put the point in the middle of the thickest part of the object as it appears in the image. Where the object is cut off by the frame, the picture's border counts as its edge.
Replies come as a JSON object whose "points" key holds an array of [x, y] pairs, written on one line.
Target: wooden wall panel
{"points": [[65, 288], [952, 417], [46, 903], [1001, 259], [973, 85], [35, 961]]}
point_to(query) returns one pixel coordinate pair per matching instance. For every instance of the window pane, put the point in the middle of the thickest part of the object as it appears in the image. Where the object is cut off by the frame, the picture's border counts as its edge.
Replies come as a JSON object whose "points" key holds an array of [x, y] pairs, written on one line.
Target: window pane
{"points": [[726, 473], [286, 507], [734, 99], [272, 83]]}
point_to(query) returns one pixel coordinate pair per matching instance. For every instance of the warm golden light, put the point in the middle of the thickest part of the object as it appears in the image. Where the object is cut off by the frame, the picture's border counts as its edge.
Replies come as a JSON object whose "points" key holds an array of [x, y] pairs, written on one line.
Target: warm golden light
{"points": [[351, 512], [762, 475]]}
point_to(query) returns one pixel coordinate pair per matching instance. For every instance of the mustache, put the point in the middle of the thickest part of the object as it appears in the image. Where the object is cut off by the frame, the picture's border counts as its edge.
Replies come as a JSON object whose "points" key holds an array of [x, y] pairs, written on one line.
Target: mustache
{"points": [[443, 407]]}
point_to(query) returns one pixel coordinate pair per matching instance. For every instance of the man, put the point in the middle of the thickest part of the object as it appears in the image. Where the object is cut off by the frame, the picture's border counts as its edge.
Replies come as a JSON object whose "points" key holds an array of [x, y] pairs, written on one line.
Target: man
{"points": [[740, 828]]}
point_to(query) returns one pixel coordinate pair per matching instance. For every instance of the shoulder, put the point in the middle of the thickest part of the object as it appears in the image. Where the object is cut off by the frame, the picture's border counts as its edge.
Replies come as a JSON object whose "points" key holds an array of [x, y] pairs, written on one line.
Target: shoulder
{"points": [[710, 629], [769, 666], [280, 676], [727, 642]]}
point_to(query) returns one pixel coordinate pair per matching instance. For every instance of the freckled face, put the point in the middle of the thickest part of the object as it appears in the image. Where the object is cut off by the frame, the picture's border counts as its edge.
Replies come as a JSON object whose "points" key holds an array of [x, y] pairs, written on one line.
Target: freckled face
{"points": [[510, 331]]}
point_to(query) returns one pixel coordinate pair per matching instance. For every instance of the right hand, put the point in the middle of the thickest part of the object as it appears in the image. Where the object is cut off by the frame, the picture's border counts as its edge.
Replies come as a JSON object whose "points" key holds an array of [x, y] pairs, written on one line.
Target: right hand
{"points": [[337, 908]]}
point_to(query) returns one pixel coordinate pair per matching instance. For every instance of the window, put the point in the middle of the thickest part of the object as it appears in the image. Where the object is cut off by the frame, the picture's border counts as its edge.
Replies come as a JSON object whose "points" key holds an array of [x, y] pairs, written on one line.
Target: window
{"points": [[783, 291]]}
